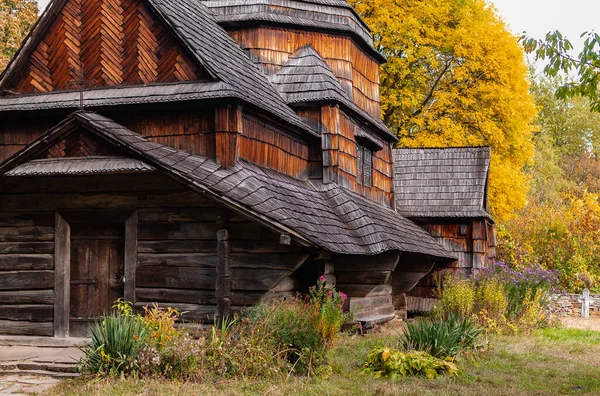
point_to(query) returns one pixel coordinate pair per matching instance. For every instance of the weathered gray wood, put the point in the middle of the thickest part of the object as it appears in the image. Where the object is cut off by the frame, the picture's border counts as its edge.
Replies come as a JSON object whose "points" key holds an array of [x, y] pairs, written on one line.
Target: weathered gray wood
{"points": [[585, 301], [30, 219], [14, 262], [161, 231], [27, 297], [177, 246], [381, 262], [287, 283], [177, 215], [275, 261], [371, 277], [176, 277], [197, 260], [26, 234], [32, 313], [131, 257], [186, 296], [62, 268], [223, 280], [26, 247], [365, 290], [256, 280], [191, 312], [10, 327], [26, 280]]}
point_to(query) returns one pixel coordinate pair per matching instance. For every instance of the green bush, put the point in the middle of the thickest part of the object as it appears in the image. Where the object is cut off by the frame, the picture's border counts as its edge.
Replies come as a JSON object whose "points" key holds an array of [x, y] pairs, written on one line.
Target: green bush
{"points": [[115, 344], [441, 338], [383, 362]]}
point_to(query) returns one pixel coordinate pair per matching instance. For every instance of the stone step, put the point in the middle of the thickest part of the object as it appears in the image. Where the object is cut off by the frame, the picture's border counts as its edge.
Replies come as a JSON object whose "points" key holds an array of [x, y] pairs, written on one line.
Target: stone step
{"points": [[38, 373], [34, 366]]}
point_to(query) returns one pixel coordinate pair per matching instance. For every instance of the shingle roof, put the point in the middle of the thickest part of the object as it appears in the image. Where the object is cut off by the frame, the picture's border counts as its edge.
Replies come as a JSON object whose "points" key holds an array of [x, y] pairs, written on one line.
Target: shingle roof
{"points": [[197, 29], [316, 214], [330, 15], [80, 166], [442, 182], [307, 78]]}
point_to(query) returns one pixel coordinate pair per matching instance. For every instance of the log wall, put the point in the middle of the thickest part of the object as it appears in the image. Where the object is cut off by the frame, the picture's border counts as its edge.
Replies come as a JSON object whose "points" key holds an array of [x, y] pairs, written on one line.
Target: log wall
{"points": [[26, 273], [108, 43], [271, 47], [177, 255], [475, 250]]}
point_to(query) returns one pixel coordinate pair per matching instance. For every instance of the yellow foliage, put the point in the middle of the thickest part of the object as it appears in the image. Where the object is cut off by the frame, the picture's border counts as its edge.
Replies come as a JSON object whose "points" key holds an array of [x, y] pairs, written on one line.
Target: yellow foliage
{"points": [[456, 77], [16, 18]]}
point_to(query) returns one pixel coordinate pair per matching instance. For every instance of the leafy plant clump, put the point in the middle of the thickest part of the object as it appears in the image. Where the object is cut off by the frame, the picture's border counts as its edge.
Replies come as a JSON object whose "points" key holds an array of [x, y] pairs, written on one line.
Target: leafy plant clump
{"points": [[441, 338], [385, 362]]}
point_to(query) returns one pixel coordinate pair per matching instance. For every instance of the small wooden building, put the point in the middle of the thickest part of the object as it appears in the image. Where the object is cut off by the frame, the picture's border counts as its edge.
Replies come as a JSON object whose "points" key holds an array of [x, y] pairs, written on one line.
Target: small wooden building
{"points": [[204, 155], [444, 190]]}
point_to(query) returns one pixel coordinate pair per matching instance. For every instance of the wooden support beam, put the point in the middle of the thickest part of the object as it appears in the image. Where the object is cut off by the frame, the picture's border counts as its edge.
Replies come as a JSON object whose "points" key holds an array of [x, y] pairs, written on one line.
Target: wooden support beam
{"points": [[131, 247], [62, 275], [223, 279], [228, 126]]}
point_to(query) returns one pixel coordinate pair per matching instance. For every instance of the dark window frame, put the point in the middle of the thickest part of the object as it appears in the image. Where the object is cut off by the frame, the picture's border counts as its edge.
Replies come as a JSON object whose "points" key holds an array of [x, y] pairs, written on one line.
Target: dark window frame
{"points": [[364, 165]]}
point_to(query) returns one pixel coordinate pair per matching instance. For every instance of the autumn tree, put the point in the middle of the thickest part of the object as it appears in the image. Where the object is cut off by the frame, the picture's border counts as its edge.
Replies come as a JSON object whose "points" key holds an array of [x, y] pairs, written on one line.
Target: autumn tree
{"points": [[557, 51], [16, 19], [559, 226], [456, 77]]}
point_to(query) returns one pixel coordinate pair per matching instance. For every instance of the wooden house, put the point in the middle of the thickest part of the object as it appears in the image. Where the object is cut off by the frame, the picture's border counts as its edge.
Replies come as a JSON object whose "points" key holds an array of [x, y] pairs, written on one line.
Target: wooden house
{"points": [[445, 191], [204, 155]]}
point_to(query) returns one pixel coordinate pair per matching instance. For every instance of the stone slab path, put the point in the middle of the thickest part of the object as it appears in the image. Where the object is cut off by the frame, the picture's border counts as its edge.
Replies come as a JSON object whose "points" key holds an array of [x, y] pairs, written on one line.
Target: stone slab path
{"points": [[25, 385]]}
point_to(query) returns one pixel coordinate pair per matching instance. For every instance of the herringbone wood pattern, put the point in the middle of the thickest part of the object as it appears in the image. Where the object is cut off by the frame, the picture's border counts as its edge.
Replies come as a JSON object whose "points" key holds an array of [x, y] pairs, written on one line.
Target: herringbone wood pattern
{"points": [[117, 42]]}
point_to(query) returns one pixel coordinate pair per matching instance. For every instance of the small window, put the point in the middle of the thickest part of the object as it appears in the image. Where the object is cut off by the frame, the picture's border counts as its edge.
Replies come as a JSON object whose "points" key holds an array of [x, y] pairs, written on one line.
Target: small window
{"points": [[364, 166]]}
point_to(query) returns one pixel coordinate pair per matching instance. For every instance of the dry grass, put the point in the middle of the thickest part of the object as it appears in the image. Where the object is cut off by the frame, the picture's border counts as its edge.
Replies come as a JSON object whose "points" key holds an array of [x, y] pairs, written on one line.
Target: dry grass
{"points": [[552, 361]]}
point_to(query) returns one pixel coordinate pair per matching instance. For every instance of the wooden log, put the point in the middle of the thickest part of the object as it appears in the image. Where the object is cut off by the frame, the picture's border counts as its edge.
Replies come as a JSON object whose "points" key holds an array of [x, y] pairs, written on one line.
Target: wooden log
{"points": [[20, 219], [26, 280], [256, 280], [27, 297], [190, 312], [371, 277], [22, 328], [245, 298], [176, 277], [355, 304], [196, 260], [267, 261], [382, 262], [61, 282], [244, 246], [131, 257], [224, 261], [26, 234], [14, 262], [177, 215], [287, 283], [365, 290], [177, 246], [185, 231], [31, 313], [26, 247], [183, 296]]}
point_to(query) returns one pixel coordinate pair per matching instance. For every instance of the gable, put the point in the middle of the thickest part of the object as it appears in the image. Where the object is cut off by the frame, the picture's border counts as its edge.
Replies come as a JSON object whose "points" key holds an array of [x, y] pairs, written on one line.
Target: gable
{"points": [[81, 144], [108, 43]]}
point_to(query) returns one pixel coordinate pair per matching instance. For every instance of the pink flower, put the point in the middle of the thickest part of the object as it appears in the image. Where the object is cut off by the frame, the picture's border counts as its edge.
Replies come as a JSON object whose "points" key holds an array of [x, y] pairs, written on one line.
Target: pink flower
{"points": [[343, 295], [322, 278], [330, 293]]}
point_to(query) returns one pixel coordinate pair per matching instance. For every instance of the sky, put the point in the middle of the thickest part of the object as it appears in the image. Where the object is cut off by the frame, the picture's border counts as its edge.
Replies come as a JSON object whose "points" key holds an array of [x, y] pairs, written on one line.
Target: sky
{"points": [[537, 17]]}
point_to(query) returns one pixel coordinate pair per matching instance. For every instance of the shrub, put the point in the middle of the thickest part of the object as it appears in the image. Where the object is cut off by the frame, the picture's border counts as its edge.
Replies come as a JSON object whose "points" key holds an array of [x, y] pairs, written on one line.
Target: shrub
{"points": [[383, 362], [500, 298], [441, 338], [115, 344], [330, 304]]}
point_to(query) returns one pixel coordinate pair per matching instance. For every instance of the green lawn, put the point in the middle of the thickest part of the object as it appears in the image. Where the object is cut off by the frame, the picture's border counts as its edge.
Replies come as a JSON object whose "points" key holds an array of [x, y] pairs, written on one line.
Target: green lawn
{"points": [[551, 361]]}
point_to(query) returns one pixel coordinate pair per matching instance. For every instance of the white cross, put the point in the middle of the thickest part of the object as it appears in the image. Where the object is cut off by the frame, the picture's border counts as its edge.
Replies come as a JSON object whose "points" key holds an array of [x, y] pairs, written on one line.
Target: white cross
{"points": [[585, 301]]}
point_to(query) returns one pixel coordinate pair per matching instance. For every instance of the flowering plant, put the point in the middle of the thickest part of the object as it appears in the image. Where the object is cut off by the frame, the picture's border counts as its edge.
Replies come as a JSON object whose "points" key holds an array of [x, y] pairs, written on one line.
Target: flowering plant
{"points": [[330, 304]]}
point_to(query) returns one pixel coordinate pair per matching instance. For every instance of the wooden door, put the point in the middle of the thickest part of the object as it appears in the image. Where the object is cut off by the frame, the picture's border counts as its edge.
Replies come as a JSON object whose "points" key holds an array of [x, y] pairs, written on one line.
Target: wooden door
{"points": [[97, 270]]}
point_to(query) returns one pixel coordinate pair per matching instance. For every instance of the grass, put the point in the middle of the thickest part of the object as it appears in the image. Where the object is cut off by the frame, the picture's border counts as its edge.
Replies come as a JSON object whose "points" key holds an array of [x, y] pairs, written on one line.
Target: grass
{"points": [[551, 361]]}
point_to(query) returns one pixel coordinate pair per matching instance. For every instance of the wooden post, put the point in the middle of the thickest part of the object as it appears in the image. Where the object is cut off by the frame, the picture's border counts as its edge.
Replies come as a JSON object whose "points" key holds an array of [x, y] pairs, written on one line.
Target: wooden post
{"points": [[330, 130], [131, 245], [585, 301], [62, 276], [223, 281], [228, 125]]}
